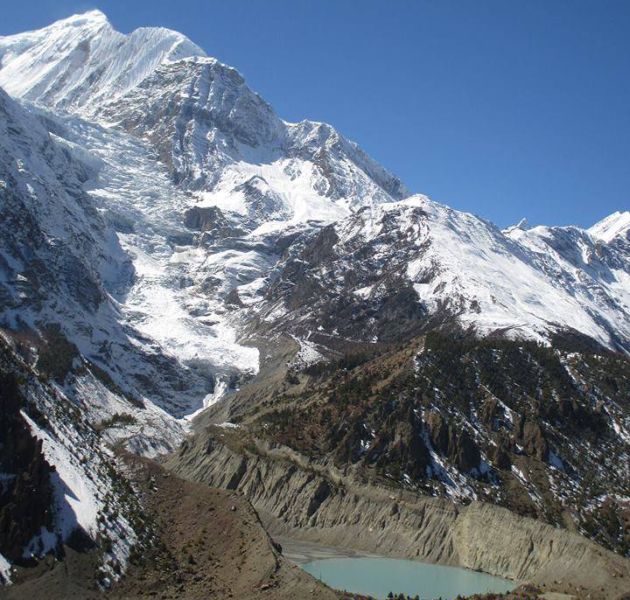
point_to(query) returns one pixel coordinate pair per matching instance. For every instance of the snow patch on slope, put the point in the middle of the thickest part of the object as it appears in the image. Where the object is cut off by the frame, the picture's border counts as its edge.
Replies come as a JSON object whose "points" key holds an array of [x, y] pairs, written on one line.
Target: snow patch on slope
{"points": [[5, 570], [308, 354], [292, 182], [76, 496]]}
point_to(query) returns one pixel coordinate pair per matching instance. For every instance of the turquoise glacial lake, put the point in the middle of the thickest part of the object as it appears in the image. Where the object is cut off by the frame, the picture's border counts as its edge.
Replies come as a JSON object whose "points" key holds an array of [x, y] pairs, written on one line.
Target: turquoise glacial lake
{"points": [[378, 576]]}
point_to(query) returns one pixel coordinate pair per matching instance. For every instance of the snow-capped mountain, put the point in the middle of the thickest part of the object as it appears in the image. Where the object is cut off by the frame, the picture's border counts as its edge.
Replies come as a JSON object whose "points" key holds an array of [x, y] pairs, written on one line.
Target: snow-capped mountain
{"points": [[407, 267], [194, 189], [191, 207], [178, 182], [212, 131], [167, 237], [613, 228]]}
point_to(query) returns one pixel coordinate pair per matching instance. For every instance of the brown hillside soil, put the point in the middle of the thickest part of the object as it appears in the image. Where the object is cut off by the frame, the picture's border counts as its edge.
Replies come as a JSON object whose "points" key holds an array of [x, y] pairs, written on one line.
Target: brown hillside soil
{"points": [[211, 545]]}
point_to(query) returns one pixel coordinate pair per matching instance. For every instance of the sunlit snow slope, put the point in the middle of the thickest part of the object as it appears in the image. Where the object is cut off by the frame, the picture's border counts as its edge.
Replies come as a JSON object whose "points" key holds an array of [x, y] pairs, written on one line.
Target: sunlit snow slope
{"points": [[80, 62], [406, 267]]}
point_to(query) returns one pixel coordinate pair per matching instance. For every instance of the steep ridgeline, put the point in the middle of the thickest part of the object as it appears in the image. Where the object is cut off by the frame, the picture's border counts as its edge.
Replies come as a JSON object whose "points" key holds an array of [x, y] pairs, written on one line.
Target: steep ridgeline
{"points": [[78, 63], [386, 274]]}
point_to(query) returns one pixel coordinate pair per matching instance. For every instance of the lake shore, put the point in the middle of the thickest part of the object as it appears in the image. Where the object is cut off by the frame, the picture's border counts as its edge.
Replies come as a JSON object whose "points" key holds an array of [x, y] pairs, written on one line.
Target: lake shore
{"points": [[376, 576], [300, 552]]}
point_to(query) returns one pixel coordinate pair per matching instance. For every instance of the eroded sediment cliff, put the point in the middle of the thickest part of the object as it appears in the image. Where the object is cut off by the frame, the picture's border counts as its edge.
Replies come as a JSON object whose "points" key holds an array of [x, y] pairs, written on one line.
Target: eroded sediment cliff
{"points": [[310, 501]]}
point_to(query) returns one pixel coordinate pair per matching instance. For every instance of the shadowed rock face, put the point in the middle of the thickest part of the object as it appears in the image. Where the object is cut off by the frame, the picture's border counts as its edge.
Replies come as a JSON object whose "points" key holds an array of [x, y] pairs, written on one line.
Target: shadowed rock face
{"points": [[25, 491], [59, 488], [458, 446]]}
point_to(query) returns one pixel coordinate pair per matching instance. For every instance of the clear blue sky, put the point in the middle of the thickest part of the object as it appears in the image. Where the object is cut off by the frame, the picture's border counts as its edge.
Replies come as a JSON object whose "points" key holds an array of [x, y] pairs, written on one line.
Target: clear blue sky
{"points": [[506, 108]]}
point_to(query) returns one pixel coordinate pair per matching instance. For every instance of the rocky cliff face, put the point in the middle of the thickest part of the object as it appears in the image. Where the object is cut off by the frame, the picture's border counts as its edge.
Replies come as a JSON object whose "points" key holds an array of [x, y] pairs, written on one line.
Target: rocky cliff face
{"points": [[26, 498], [60, 487], [224, 142]]}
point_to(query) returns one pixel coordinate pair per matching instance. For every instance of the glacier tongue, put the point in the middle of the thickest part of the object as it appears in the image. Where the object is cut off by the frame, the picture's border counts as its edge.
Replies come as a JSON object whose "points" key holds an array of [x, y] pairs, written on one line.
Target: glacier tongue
{"points": [[164, 303], [118, 270]]}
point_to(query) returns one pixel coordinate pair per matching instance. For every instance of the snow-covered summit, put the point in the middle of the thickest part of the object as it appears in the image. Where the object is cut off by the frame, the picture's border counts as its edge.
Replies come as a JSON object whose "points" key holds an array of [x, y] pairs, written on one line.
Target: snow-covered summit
{"points": [[217, 137], [90, 17], [82, 61], [613, 226]]}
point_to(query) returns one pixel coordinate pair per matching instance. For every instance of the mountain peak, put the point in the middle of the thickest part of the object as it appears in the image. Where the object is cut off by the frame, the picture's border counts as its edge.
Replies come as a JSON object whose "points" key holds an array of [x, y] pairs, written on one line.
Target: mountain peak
{"points": [[92, 19], [86, 17], [514, 230], [79, 63], [613, 226], [523, 224]]}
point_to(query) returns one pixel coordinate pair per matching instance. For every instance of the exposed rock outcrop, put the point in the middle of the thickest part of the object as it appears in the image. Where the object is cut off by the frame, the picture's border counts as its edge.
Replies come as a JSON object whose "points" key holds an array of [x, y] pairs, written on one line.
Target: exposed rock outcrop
{"points": [[458, 446], [533, 438], [25, 487]]}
